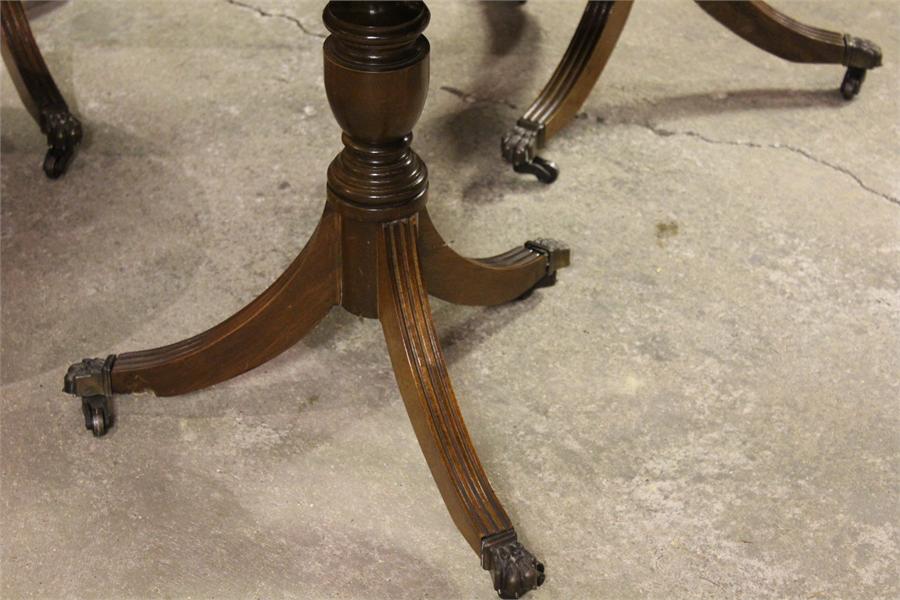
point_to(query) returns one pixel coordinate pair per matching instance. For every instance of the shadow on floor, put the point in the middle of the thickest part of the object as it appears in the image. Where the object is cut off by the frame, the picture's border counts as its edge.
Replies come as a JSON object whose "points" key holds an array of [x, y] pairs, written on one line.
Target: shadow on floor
{"points": [[713, 103]]}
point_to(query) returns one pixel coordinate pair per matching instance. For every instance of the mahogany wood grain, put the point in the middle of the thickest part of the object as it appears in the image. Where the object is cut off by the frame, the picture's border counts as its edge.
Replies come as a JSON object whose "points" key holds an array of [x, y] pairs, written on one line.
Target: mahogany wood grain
{"points": [[562, 97], [585, 58], [776, 33], [424, 383], [481, 281], [780, 35], [266, 327]]}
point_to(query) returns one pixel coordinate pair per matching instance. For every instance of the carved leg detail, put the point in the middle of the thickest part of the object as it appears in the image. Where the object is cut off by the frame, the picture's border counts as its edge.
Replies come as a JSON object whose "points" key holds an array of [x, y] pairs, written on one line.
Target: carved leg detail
{"points": [[267, 326], [514, 570], [37, 89], [486, 281], [778, 34], [425, 386], [568, 88]]}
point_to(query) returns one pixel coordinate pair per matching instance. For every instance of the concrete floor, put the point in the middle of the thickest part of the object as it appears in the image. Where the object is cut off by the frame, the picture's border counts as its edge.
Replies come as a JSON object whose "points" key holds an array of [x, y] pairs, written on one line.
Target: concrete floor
{"points": [[706, 405]]}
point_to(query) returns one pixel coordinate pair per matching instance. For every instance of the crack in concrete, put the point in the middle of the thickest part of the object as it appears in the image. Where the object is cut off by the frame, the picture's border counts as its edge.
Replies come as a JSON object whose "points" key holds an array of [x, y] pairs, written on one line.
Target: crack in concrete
{"points": [[293, 20], [473, 99], [659, 131]]}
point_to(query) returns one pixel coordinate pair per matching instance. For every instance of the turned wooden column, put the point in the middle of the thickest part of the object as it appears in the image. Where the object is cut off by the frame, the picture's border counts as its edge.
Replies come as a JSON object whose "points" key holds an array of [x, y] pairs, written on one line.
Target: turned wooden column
{"points": [[376, 78]]}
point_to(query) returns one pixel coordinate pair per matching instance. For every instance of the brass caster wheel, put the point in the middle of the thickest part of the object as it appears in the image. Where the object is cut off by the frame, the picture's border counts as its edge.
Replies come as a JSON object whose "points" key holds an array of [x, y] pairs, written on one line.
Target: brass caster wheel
{"points": [[57, 161], [90, 379], [852, 82], [546, 171], [97, 416]]}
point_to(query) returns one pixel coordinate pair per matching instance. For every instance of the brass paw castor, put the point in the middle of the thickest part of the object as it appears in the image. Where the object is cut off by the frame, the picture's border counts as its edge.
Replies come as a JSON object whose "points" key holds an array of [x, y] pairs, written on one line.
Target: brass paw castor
{"points": [[64, 134], [860, 55], [90, 379], [514, 570], [519, 146]]}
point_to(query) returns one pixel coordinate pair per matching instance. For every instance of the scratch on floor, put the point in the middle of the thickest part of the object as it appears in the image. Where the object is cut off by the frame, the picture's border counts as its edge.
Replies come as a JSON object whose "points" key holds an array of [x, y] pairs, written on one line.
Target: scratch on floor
{"points": [[693, 134], [293, 20], [715, 583]]}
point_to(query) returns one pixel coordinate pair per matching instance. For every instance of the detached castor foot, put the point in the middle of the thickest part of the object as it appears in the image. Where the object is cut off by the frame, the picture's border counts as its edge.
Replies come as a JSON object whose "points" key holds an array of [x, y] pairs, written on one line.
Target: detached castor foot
{"points": [[90, 379], [860, 55], [64, 133], [514, 570], [518, 148]]}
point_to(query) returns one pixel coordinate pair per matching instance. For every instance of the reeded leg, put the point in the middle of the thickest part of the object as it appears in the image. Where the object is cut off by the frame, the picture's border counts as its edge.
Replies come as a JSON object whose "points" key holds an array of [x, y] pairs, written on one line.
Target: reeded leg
{"points": [[267, 326], [778, 34], [37, 89], [486, 281], [425, 385], [568, 88]]}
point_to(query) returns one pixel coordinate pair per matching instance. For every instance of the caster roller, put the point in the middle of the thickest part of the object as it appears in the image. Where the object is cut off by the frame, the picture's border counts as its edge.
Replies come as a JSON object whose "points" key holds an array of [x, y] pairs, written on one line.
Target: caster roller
{"points": [[97, 416], [98, 422], [90, 380], [860, 55], [64, 133], [57, 161], [519, 146], [852, 82], [546, 171]]}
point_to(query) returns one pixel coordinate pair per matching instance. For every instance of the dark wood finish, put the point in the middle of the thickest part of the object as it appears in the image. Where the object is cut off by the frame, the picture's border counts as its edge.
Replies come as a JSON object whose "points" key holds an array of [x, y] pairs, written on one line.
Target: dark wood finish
{"points": [[778, 34], [422, 376], [481, 281], [599, 30], [266, 327], [377, 254], [593, 43], [787, 38], [37, 89], [425, 385], [588, 52]]}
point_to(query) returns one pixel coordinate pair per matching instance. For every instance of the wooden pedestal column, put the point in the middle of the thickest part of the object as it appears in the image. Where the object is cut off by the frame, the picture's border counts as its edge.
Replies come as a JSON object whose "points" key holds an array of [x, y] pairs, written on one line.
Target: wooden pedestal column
{"points": [[377, 254]]}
